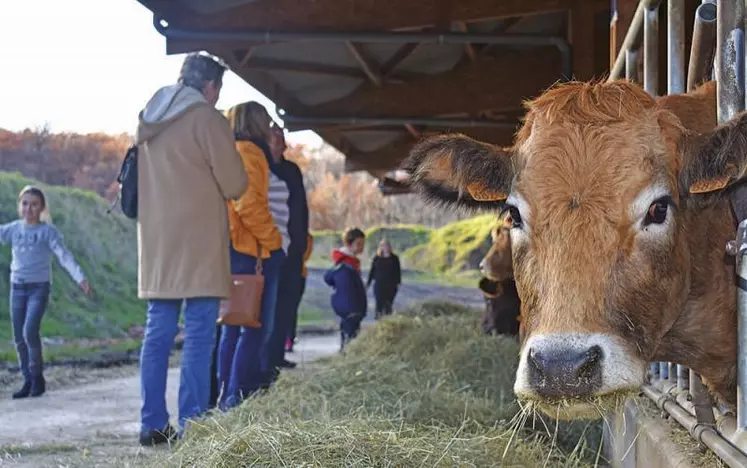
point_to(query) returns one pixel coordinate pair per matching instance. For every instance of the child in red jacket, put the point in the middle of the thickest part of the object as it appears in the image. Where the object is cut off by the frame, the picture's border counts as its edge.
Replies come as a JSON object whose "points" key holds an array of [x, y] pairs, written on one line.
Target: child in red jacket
{"points": [[349, 299]]}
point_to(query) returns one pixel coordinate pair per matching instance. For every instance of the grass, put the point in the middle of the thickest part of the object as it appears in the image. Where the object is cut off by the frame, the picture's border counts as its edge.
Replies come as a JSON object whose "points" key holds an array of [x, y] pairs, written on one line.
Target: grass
{"points": [[447, 255], [78, 350], [106, 247], [422, 388]]}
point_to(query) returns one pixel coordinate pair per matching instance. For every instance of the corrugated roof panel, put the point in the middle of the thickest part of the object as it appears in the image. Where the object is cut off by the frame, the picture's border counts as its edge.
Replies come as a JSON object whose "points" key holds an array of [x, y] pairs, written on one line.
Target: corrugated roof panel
{"points": [[308, 52], [433, 58], [382, 53], [368, 140]]}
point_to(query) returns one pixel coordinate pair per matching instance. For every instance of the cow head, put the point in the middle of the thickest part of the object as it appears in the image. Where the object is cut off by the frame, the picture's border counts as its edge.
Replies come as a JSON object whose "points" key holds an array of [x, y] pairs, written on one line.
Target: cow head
{"points": [[599, 189], [497, 264]]}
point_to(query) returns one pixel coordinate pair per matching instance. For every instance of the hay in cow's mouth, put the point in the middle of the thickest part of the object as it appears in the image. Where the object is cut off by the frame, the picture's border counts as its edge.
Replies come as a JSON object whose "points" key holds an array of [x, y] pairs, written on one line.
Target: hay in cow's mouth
{"points": [[597, 407], [421, 387]]}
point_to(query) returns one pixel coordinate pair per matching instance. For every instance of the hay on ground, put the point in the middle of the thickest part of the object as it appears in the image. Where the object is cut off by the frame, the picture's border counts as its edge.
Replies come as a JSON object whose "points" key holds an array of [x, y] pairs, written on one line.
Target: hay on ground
{"points": [[417, 389]]}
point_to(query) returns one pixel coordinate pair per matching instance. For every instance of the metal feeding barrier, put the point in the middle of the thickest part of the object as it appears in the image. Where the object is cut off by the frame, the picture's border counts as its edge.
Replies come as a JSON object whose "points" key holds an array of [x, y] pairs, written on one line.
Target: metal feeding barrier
{"points": [[717, 51]]}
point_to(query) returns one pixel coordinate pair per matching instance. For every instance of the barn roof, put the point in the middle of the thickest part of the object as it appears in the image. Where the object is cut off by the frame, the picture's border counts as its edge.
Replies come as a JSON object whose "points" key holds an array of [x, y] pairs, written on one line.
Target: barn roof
{"points": [[371, 77]]}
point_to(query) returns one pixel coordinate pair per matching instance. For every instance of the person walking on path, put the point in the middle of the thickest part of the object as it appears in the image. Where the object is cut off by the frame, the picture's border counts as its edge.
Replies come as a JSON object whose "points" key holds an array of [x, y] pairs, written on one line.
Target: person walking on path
{"points": [[386, 274], [348, 299], [188, 167], [33, 241], [259, 229], [291, 288]]}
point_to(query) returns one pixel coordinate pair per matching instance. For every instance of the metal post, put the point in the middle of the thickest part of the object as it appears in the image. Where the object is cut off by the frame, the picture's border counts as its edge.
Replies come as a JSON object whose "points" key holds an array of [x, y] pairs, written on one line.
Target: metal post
{"points": [[741, 323], [702, 401], [651, 80], [729, 71], [729, 62], [703, 46], [631, 65], [676, 85], [651, 49]]}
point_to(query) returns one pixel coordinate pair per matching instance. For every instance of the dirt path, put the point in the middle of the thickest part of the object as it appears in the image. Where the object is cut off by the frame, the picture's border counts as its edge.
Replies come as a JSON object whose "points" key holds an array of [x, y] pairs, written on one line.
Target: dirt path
{"points": [[97, 424]]}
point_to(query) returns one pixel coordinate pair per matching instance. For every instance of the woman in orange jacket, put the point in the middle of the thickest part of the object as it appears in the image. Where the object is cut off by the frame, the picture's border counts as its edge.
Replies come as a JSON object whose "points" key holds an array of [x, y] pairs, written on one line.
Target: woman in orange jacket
{"points": [[259, 229]]}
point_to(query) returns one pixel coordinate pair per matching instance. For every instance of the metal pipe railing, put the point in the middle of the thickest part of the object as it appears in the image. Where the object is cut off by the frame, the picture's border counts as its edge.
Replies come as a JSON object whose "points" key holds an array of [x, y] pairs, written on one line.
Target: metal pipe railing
{"points": [[632, 41], [394, 37], [730, 95], [631, 65], [676, 81], [651, 50], [703, 433], [703, 46]]}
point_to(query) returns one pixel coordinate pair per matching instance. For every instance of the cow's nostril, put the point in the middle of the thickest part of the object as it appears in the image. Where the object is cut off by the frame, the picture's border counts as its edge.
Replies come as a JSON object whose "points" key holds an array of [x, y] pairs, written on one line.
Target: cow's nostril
{"points": [[565, 372]]}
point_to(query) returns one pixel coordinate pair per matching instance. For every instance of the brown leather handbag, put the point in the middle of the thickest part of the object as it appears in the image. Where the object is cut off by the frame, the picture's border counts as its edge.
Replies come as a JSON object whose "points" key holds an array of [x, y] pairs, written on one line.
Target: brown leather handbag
{"points": [[244, 306]]}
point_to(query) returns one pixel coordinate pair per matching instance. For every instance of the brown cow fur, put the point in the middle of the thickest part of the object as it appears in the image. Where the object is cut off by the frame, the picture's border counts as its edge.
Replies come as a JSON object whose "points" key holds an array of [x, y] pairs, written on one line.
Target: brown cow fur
{"points": [[584, 153]]}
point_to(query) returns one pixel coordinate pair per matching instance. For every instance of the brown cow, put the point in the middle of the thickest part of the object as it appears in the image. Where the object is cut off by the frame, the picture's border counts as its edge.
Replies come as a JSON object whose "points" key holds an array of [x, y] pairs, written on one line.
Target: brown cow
{"points": [[502, 305], [618, 261]]}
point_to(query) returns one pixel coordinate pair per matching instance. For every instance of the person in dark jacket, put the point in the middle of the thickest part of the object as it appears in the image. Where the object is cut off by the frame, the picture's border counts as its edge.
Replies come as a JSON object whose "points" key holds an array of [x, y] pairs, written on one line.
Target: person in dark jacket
{"points": [[502, 307], [348, 299], [291, 287], [386, 274]]}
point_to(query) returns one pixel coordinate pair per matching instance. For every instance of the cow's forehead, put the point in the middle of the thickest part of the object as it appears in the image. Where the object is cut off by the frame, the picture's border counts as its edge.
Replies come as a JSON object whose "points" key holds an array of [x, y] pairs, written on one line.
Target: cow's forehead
{"points": [[571, 166]]}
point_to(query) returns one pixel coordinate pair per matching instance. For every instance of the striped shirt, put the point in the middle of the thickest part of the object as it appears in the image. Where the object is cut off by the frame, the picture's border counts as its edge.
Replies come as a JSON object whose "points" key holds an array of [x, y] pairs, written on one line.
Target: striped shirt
{"points": [[277, 197]]}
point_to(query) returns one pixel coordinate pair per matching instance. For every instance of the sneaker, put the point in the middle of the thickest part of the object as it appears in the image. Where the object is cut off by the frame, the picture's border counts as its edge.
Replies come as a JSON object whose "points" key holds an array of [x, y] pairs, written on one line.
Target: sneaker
{"points": [[38, 386], [24, 392], [155, 437]]}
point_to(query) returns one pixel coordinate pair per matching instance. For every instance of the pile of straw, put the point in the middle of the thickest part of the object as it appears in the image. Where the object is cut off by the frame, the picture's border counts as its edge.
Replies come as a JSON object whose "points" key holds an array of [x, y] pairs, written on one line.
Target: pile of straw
{"points": [[422, 388]]}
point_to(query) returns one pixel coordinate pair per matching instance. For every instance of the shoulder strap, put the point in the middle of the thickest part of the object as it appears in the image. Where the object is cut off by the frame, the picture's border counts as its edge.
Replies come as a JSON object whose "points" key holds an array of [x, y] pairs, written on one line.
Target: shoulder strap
{"points": [[258, 268]]}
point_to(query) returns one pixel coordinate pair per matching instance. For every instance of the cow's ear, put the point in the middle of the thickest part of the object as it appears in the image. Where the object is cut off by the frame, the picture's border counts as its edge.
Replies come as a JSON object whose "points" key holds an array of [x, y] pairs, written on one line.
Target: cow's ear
{"points": [[716, 160], [454, 169]]}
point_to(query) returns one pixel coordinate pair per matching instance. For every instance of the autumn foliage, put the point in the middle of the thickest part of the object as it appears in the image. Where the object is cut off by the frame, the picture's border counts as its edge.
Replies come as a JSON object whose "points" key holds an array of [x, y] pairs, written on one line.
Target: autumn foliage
{"points": [[92, 162]]}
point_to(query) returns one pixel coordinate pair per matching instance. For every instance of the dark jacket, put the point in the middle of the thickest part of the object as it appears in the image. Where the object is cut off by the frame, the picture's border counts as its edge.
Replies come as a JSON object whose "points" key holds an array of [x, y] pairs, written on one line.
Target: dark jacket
{"points": [[298, 222], [386, 272], [349, 295]]}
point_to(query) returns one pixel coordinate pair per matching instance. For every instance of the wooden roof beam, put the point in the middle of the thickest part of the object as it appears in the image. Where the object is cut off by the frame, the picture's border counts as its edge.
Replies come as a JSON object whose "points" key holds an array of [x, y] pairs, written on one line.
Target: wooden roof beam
{"points": [[469, 49], [389, 157], [488, 83], [360, 15], [366, 62], [311, 68]]}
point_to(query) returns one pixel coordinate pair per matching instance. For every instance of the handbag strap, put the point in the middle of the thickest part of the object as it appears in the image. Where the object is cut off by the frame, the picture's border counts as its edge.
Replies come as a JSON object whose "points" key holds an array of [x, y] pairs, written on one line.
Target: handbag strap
{"points": [[258, 269]]}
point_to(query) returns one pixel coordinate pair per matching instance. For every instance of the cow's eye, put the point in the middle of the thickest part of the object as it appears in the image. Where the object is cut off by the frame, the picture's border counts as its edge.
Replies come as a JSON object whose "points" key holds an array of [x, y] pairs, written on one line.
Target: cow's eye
{"points": [[657, 212], [513, 220]]}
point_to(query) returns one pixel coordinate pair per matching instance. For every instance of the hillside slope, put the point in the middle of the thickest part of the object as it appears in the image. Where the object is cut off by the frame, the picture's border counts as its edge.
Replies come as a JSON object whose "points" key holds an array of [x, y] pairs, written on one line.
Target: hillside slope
{"points": [[452, 249], [106, 247]]}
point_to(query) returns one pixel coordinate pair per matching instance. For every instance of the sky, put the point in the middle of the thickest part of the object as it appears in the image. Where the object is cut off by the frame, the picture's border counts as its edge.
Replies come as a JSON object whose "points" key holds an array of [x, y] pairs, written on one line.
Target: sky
{"points": [[90, 65]]}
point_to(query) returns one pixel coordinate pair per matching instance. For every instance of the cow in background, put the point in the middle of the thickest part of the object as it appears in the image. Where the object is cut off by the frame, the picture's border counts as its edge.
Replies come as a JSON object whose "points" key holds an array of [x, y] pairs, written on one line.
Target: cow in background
{"points": [[502, 305]]}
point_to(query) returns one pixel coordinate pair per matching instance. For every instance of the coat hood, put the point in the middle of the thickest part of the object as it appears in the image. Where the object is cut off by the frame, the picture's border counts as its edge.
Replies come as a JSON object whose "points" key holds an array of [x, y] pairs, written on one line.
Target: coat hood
{"points": [[167, 105], [343, 255]]}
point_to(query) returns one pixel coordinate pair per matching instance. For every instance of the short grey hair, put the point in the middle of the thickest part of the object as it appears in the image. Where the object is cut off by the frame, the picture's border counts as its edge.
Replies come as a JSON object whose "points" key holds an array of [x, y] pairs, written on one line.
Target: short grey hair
{"points": [[198, 68]]}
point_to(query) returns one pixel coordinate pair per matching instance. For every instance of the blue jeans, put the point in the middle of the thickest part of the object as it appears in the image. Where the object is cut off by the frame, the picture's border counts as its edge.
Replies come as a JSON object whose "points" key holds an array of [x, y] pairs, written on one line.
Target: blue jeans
{"points": [[28, 302], [200, 315], [245, 362]]}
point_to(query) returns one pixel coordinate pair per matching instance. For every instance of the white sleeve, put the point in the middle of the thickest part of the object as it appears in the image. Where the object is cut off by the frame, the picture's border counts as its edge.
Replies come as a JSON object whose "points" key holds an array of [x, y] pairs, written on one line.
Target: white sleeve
{"points": [[64, 256]]}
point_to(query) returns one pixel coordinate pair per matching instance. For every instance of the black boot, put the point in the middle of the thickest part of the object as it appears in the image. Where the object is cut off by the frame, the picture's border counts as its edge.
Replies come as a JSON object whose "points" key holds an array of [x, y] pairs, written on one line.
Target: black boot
{"points": [[155, 437], [287, 364], [38, 386], [24, 391]]}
